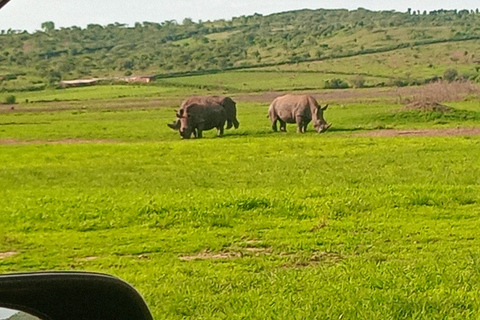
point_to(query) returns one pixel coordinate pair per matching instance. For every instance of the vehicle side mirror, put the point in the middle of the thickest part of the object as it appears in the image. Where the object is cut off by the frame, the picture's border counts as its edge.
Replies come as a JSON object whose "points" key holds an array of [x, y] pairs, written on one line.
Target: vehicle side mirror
{"points": [[72, 296]]}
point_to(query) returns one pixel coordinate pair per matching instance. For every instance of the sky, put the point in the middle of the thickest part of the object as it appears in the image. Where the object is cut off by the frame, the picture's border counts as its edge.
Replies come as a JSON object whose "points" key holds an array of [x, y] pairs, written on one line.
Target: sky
{"points": [[30, 14]]}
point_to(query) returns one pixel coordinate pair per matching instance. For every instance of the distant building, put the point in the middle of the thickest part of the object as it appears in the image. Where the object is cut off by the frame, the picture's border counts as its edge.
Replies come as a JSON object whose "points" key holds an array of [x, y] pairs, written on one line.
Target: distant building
{"points": [[93, 81], [144, 79], [78, 82]]}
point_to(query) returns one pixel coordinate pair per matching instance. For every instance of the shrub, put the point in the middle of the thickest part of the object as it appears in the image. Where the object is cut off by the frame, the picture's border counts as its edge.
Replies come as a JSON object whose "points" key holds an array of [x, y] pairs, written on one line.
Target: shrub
{"points": [[358, 81], [335, 84], [450, 75], [11, 99]]}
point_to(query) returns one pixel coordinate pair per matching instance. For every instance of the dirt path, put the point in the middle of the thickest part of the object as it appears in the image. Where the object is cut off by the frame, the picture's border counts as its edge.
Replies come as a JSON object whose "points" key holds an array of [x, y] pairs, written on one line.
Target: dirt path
{"points": [[392, 95], [395, 95]]}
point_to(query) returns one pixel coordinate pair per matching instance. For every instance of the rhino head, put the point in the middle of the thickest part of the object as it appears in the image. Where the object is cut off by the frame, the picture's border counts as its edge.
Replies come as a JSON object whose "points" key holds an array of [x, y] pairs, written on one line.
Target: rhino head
{"points": [[319, 122], [185, 126]]}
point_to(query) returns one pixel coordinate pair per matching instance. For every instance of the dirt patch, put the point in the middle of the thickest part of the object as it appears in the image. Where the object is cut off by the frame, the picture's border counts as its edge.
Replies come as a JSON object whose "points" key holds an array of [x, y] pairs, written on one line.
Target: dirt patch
{"points": [[89, 258], [474, 131], [59, 141], [146, 103], [442, 91], [207, 255], [426, 107], [7, 254], [340, 96]]}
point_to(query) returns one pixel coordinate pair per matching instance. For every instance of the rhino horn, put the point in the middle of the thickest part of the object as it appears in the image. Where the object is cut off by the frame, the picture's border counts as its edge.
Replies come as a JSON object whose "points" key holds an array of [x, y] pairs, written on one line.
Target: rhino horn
{"points": [[173, 125]]}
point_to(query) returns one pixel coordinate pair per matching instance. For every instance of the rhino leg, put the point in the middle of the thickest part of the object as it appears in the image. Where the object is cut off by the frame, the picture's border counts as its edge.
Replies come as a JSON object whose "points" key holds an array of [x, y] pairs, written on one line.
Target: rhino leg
{"points": [[229, 124], [220, 128], [220, 131], [283, 125], [274, 125], [236, 124], [301, 124], [305, 124]]}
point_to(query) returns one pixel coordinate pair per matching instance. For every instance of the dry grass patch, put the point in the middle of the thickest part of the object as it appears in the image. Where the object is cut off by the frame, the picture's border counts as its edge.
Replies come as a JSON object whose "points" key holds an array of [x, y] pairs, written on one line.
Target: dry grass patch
{"points": [[207, 255], [7, 254], [426, 106], [430, 97]]}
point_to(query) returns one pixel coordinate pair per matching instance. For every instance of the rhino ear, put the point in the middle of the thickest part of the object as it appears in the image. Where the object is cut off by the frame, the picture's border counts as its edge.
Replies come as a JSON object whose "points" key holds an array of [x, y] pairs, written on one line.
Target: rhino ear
{"points": [[324, 108]]}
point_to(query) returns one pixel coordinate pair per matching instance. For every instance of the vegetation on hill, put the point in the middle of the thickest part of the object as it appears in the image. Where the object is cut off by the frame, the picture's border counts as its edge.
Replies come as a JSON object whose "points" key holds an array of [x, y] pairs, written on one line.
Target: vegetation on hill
{"points": [[35, 60]]}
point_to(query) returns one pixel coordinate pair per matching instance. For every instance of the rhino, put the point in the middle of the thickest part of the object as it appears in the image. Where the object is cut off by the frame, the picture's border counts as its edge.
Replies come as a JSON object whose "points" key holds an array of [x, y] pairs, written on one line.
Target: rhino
{"points": [[228, 104], [195, 118], [299, 109]]}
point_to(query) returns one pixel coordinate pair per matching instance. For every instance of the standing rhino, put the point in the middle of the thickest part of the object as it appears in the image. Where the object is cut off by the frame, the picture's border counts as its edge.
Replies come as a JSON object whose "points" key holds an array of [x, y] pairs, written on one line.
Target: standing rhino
{"points": [[228, 104], [299, 109], [196, 117]]}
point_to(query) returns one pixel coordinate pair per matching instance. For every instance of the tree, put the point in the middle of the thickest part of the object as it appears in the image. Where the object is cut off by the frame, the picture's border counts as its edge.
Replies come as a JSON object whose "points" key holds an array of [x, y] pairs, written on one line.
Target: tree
{"points": [[48, 26]]}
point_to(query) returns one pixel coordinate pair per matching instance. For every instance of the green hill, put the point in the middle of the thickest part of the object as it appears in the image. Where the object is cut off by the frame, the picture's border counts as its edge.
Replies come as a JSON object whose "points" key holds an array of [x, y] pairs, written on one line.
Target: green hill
{"points": [[359, 47]]}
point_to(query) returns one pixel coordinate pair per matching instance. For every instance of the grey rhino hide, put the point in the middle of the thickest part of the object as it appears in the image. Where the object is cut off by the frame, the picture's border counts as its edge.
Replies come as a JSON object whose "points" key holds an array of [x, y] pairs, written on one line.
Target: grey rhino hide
{"points": [[299, 109], [228, 104], [195, 118]]}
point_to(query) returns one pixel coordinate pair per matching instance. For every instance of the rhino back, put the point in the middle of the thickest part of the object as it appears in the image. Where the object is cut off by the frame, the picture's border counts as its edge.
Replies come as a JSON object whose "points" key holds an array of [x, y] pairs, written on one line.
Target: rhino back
{"points": [[192, 100]]}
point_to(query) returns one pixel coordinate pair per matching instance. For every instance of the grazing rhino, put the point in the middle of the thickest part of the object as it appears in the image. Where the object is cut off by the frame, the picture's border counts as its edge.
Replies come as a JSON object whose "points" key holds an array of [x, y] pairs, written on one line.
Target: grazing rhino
{"points": [[228, 104], [195, 118], [299, 109]]}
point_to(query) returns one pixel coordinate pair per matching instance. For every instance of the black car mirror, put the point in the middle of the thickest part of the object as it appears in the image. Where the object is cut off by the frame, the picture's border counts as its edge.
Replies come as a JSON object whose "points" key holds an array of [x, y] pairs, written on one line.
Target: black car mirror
{"points": [[72, 296]]}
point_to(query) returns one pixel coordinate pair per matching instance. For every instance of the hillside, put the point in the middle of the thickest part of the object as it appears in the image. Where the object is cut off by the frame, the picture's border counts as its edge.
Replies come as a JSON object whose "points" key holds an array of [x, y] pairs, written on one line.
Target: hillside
{"points": [[360, 47]]}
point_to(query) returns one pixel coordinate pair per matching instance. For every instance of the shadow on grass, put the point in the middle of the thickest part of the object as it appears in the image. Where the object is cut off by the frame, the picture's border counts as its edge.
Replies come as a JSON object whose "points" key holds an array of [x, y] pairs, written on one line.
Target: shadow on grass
{"points": [[292, 132]]}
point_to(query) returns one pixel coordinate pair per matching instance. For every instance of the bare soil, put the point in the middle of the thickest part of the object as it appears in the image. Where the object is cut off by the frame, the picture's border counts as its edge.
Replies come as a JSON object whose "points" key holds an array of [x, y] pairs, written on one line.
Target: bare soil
{"points": [[402, 95], [392, 95]]}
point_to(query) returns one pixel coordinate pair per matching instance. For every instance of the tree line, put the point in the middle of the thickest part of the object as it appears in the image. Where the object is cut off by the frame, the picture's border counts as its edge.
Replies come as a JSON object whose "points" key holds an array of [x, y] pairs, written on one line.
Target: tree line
{"points": [[53, 54]]}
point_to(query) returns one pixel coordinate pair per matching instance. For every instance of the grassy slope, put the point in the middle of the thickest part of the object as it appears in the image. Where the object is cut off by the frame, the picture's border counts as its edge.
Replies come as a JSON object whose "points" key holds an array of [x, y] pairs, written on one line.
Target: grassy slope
{"points": [[269, 48], [417, 62]]}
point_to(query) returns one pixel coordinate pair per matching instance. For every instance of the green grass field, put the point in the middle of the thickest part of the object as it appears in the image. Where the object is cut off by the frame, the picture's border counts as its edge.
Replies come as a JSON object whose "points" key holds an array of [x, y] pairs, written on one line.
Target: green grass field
{"points": [[253, 225]]}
